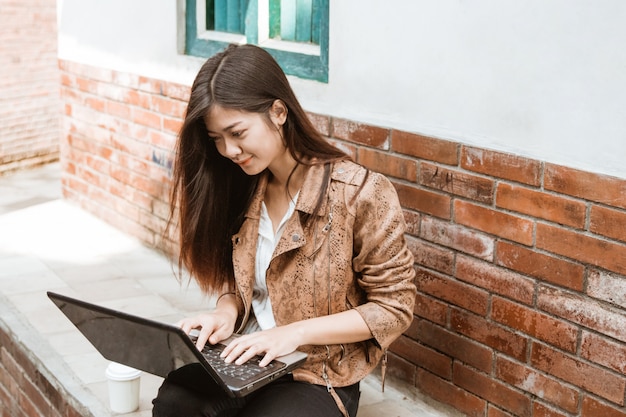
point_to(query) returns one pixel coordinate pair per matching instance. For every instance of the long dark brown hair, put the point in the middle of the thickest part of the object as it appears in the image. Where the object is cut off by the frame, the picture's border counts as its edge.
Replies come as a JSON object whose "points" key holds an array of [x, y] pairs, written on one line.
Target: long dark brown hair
{"points": [[210, 193]]}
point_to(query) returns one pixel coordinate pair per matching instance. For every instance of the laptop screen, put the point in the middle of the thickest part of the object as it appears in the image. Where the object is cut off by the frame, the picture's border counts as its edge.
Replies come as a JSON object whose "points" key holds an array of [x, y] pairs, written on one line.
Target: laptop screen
{"points": [[122, 338]]}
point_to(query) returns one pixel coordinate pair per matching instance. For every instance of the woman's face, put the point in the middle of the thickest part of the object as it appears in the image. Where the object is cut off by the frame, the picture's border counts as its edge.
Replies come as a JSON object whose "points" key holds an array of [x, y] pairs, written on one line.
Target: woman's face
{"points": [[246, 138]]}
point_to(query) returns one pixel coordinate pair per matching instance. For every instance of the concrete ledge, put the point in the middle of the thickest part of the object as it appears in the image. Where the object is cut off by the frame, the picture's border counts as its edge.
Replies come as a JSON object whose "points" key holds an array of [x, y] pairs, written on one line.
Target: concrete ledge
{"points": [[34, 376]]}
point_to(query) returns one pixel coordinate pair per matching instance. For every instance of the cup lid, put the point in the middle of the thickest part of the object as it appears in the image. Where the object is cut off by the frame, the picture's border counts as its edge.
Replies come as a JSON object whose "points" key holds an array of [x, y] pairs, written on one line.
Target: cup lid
{"points": [[118, 372]]}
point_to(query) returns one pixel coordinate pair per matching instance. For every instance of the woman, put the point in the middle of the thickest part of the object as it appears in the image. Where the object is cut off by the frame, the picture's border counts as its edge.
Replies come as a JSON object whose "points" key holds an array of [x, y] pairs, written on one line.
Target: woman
{"points": [[303, 248]]}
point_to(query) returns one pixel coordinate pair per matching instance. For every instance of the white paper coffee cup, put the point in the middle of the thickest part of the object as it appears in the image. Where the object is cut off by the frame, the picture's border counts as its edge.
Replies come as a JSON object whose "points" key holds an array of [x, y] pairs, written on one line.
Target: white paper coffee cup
{"points": [[123, 387]]}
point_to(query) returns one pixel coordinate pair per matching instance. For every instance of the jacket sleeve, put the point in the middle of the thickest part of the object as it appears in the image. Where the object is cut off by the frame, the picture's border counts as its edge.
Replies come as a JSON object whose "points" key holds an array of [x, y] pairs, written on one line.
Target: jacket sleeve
{"points": [[382, 261]]}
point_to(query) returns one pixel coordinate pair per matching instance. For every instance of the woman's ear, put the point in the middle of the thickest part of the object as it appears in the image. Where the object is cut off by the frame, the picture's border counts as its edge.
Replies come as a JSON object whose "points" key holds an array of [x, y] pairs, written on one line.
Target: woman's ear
{"points": [[278, 113]]}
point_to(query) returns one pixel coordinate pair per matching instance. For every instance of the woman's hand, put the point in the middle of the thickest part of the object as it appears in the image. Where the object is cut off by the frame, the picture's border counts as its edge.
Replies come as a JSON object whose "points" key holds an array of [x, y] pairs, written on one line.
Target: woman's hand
{"points": [[214, 327], [344, 327], [269, 344]]}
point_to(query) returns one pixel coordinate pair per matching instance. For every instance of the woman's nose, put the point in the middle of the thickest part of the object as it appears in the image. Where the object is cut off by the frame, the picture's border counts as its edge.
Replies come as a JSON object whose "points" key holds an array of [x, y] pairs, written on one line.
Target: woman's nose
{"points": [[230, 148]]}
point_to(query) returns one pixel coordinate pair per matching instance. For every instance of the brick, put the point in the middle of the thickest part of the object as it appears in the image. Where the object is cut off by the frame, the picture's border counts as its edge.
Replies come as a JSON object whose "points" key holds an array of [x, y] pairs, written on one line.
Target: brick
{"points": [[161, 209], [86, 85], [544, 267], [456, 182], [131, 138], [582, 310], [320, 122], [6, 400], [586, 185], [136, 99], [431, 256], [494, 222], [30, 86], [542, 205], [492, 390], [541, 410], [457, 237], [117, 93], [373, 136], [172, 125], [98, 164], [414, 328], [103, 75], [603, 351], [529, 380], [496, 412], [533, 323], [68, 96], [34, 395], [489, 334], [388, 164], [95, 103], [127, 146], [591, 378], [583, 248], [454, 345], [162, 140], [147, 118], [150, 85], [427, 358], [167, 106], [348, 148], [594, 408], [501, 165], [447, 393], [607, 287], [608, 222], [495, 279], [10, 378], [134, 165], [125, 79], [93, 178], [413, 222], [51, 391], [425, 201], [67, 80], [424, 147], [18, 363], [401, 369], [120, 205], [176, 91], [453, 291], [27, 407], [430, 309], [76, 186], [118, 109]]}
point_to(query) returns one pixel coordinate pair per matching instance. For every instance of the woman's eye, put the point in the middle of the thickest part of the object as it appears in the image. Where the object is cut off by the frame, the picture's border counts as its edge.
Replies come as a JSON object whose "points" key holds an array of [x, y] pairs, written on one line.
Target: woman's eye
{"points": [[237, 134], [214, 138]]}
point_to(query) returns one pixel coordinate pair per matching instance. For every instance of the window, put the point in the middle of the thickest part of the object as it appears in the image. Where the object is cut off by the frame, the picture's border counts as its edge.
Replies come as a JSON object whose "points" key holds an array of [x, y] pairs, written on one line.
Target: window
{"points": [[295, 32]]}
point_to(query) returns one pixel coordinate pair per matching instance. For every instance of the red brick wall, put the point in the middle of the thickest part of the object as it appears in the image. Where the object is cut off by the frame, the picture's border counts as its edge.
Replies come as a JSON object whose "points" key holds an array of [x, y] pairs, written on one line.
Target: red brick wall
{"points": [[24, 390], [29, 84], [521, 263]]}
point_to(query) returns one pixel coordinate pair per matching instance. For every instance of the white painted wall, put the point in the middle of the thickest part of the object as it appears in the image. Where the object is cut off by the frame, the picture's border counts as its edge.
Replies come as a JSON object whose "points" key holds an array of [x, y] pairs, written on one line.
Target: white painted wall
{"points": [[539, 78]]}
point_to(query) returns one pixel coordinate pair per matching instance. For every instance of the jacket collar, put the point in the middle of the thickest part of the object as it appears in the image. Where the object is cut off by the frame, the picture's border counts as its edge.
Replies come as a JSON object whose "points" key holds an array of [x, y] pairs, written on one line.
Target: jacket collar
{"points": [[343, 171], [307, 199]]}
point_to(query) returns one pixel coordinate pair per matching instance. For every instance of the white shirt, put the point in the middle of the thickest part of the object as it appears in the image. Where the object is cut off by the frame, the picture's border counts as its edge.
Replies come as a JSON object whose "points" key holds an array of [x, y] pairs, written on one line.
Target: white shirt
{"points": [[266, 244]]}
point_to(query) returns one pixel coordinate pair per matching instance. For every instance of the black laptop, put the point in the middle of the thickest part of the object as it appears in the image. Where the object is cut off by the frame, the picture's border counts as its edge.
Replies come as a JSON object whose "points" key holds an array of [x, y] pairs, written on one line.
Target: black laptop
{"points": [[160, 348]]}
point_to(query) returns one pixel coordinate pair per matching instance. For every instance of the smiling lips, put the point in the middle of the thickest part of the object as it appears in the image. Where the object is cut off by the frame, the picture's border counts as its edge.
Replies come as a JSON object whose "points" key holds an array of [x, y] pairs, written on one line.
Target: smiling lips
{"points": [[243, 162]]}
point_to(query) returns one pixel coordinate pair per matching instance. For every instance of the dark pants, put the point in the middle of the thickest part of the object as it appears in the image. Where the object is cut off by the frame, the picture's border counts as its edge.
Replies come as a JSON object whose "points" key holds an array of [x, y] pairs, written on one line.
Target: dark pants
{"points": [[190, 392]]}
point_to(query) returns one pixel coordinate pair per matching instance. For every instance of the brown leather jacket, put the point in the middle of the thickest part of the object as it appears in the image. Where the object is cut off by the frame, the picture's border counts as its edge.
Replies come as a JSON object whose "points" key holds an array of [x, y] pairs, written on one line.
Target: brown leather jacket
{"points": [[353, 256]]}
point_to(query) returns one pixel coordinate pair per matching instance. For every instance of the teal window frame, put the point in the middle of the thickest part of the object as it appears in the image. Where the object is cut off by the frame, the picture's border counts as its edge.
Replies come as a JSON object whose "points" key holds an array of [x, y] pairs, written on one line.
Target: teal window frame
{"points": [[313, 66]]}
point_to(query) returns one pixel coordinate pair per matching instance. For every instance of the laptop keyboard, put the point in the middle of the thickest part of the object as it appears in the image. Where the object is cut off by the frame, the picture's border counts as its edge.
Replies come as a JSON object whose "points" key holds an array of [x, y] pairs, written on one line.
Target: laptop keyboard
{"points": [[244, 372]]}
